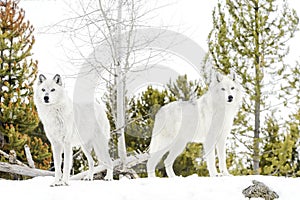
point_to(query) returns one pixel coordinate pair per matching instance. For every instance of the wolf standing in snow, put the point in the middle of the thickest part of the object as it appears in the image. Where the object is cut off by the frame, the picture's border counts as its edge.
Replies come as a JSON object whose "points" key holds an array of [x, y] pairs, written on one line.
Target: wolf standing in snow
{"points": [[207, 120], [68, 125]]}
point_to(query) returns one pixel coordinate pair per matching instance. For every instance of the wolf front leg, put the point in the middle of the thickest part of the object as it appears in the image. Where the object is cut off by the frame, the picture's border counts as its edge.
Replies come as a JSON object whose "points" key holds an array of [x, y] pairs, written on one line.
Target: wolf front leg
{"points": [[67, 163], [209, 150], [214, 136], [57, 150], [221, 150]]}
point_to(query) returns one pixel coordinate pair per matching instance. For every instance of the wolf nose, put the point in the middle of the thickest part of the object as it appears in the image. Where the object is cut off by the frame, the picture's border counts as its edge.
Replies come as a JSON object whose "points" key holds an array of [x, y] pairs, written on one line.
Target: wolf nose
{"points": [[230, 98], [46, 99]]}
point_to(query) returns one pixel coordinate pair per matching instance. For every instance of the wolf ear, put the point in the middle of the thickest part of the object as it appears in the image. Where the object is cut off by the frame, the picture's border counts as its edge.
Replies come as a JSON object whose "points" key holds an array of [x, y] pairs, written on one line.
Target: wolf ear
{"points": [[218, 77], [42, 78], [57, 79], [233, 75]]}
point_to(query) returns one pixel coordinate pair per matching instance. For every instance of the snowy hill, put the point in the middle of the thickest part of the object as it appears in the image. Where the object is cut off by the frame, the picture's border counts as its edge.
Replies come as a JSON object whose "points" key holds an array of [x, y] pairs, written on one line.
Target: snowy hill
{"points": [[190, 188]]}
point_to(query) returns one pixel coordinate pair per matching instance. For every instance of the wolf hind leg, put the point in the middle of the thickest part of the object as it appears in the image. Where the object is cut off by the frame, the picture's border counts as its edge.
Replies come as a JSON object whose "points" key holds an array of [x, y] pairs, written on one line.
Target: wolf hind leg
{"points": [[104, 157], [152, 162], [87, 150], [176, 149], [109, 170]]}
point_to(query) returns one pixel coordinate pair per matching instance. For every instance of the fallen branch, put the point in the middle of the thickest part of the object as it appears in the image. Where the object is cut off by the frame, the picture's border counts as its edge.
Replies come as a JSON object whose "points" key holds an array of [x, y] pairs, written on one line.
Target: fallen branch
{"points": [[7, 157], [32, 172], [130, 162], [28, 156], [25, 171]]}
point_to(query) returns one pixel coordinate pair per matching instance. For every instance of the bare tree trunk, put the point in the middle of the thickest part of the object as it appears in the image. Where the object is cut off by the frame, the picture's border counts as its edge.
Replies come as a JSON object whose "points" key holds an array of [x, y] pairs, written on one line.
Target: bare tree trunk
{"points": [[256, 139], [120, 115], [257, 97], [117, 22]]}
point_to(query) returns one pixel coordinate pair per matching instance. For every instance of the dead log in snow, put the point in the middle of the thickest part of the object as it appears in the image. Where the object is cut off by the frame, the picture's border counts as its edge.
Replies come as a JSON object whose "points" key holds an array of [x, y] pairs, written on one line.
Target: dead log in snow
{"points": [[25, 171], [130, 162]]}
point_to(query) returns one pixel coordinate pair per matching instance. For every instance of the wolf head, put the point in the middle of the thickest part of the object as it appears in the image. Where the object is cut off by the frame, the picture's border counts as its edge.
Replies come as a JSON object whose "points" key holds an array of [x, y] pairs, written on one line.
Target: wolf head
{"points": [[226, 88], [49, 91]]}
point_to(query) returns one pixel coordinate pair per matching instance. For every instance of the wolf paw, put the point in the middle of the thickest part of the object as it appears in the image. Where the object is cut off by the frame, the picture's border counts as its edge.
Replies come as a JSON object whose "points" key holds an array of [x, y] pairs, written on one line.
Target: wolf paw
{"points": [[88, 178], [219, 175], [59, 183], [109, 175], [108, 179], [226, 173], [222, 174]]}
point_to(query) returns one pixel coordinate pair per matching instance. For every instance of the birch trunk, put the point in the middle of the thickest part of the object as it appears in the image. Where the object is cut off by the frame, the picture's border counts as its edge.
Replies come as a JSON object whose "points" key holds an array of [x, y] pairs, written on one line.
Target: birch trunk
{"points": [[120, 115]]}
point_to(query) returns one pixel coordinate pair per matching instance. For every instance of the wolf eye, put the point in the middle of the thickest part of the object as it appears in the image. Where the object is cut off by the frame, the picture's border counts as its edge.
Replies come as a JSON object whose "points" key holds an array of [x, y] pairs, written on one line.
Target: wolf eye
{"points": [[223, 89], [232, 88], [43, 89], [52, 90]]}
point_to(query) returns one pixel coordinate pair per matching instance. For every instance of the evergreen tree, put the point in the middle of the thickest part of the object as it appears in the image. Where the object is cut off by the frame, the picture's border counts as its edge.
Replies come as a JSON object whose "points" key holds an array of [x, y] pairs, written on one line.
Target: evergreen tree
{"points": [[141, 114], [250, 37], [18, 116], [185, 90], [280, 152]]}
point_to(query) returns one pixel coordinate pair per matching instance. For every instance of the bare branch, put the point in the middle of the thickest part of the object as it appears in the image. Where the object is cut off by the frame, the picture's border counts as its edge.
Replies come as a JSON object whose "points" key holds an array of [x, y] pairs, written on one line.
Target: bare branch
{"points": [[22, 170], [17, 161]]}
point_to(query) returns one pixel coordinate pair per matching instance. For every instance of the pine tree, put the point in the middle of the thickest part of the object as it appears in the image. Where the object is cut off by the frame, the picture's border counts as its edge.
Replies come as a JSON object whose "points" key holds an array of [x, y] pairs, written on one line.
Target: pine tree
{"points": [[280, 155], [250, 38], [18, 116], [185, 90], [141, 114]]}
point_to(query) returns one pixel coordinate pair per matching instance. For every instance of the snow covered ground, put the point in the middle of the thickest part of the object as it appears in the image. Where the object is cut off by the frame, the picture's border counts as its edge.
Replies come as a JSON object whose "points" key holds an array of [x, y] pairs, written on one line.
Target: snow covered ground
{"points": [[190, 188]]}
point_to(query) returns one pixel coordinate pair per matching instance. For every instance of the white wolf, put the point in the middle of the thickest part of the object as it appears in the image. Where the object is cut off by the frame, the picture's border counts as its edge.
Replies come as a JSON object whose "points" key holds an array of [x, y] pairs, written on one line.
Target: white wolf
{"points": [[207, 120], [68, 125]]}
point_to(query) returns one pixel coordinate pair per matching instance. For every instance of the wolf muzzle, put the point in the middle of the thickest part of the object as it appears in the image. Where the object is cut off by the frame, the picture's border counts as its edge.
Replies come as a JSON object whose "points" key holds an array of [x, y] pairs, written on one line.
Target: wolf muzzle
{"points": [[46, 99]]}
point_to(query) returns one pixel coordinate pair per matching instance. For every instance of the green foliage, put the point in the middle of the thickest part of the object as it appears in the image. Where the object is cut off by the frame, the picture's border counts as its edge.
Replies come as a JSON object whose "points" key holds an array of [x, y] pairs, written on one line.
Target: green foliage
{"points": [[18, 116], [280, 156], [142, 113], [16, 73], [191, 162], [250, 38], [185, 90]]}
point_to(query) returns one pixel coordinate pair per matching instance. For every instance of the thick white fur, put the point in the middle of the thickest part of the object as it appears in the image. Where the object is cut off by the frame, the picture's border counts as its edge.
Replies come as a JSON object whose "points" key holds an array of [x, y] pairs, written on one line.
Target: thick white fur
{"points": [[207, 120], [68, 125]]}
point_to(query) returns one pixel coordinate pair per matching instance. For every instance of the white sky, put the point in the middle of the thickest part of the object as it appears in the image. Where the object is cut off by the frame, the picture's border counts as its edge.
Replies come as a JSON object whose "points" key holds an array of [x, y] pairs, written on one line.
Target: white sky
{"points": [[190, 17]]}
